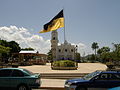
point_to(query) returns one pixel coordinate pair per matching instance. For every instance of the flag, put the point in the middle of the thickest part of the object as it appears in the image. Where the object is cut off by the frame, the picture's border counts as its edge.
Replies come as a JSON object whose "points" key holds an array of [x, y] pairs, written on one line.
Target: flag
{"points": [[55, 23]]}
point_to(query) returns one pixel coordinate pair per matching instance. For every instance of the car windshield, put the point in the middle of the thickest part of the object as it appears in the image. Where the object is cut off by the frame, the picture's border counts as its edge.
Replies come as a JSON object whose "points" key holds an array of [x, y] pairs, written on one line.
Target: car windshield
{"points": [[91, 75], [29, 72]]}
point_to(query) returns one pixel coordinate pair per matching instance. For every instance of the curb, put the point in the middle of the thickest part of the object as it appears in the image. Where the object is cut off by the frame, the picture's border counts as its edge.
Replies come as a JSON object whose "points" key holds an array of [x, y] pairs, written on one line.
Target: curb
{"points": [[58, 88]]}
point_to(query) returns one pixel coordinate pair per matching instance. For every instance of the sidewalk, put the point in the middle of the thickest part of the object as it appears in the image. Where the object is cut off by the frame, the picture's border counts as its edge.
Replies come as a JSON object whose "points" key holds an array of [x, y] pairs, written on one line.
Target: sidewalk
{"points": [[52, 84]]}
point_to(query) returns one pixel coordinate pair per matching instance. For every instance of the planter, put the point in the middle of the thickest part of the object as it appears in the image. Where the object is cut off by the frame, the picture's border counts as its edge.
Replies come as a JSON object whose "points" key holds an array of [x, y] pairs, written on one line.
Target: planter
{"points": [[64, 65], [64, 68], [14, 66]]}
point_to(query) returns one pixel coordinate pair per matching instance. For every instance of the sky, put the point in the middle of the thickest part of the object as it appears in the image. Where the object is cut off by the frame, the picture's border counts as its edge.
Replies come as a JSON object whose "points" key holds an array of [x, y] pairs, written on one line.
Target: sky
{"points": [[86, 21]]}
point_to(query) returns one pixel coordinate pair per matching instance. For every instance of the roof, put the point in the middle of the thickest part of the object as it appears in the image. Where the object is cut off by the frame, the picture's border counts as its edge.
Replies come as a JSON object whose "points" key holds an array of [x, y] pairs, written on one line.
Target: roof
{"points": [[28, 51], [114, 71], [11, 68]]}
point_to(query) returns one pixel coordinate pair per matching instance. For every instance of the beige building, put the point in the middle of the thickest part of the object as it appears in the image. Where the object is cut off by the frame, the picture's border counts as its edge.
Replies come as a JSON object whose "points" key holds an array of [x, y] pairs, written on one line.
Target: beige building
{"points": [[65, 51]]}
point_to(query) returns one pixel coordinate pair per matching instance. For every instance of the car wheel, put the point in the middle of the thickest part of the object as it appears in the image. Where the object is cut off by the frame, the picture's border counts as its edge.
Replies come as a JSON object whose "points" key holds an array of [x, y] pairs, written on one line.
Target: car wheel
{"points": [[81, 88], [22, 87]]}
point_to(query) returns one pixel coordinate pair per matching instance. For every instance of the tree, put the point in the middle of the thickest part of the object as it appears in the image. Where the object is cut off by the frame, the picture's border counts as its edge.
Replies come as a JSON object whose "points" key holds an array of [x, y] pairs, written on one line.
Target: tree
{"points": [[15, 48], [103, 53], [116, 47], [116, 51], [90, 58], [27, 48], [7, 48], [4, 52], [4, 49], [78, 57], [95, 47], [99, 51], [4, 43], [103, 50], [49, 54]]}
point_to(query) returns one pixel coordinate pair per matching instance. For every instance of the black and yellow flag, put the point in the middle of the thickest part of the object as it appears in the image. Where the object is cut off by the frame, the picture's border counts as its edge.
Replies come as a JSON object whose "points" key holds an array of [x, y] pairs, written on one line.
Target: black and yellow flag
{"points": [[55, 23]]}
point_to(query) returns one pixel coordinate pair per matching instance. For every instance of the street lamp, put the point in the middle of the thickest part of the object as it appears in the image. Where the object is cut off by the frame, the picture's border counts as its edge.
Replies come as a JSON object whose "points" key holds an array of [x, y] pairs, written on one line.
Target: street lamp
{"points": [[76, 52]]}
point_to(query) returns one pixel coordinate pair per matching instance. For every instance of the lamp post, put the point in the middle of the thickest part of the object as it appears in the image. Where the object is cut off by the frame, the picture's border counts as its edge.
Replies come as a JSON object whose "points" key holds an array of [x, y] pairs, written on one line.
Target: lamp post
{"points": [[76, 52], [0, 54]]}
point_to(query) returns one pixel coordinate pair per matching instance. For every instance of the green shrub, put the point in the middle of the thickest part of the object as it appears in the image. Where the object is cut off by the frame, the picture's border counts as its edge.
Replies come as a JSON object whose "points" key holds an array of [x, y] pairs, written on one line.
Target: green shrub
{"points": [[64, 63]]}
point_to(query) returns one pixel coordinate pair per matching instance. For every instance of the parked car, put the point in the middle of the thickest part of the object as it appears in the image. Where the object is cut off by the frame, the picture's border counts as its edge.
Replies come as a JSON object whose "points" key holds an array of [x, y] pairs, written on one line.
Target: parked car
{"points": [[20, 79], [115, 88], [99, 80]]}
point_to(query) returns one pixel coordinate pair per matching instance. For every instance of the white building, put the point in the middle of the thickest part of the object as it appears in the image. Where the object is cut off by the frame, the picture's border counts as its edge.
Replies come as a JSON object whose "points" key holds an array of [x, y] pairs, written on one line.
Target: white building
{"points": [[65, 51]]}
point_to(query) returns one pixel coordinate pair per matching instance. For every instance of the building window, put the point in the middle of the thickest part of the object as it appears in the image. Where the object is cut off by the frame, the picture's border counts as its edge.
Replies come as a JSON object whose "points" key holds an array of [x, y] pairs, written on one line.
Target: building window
{"points": [[71, 50], [65, 50], [53, 38], [59, 50]]}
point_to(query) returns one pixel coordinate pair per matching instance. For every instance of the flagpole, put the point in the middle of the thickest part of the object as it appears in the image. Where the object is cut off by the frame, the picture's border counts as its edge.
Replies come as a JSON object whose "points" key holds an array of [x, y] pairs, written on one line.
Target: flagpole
{"points": [[64, 31], [64, 27]]}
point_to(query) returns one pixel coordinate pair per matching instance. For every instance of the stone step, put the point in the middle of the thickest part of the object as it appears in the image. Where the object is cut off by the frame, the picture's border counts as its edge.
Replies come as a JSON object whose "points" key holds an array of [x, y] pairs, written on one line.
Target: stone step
{"points": [[62, 75]]}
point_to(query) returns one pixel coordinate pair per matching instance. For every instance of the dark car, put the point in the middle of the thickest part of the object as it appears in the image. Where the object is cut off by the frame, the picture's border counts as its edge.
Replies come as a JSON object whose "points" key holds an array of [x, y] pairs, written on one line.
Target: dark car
{"points": [[115, 88], [20, 79], [99, 80]]}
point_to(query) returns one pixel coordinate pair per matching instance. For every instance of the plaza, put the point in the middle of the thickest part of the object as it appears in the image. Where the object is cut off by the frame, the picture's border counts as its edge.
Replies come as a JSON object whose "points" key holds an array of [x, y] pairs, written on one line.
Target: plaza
{"points": [[59, 83], [82, 68]]}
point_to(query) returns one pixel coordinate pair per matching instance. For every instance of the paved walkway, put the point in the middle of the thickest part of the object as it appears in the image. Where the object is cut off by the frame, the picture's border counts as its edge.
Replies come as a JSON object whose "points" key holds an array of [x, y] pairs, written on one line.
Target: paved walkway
{"points": [[59, 83], [53, 83], [82, 68]]}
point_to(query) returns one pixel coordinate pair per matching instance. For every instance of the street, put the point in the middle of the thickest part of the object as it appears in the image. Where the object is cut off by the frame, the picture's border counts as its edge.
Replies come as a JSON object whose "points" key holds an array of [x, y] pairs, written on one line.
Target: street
{"points": [[48, 89]]}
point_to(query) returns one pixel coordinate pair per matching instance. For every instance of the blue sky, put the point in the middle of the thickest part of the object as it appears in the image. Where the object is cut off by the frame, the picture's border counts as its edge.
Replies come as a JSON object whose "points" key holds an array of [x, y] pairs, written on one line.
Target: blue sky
{"points": [[86, 21]]}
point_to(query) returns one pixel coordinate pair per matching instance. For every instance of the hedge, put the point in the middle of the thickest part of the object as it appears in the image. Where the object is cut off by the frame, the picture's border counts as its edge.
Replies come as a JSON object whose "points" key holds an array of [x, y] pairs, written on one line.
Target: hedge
{"points": [[64, 63]]}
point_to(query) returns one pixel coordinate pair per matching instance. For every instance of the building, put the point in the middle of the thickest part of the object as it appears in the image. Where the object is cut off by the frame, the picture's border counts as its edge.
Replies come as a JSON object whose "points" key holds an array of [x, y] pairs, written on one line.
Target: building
{"points": [[29, 56], [65, 51]]}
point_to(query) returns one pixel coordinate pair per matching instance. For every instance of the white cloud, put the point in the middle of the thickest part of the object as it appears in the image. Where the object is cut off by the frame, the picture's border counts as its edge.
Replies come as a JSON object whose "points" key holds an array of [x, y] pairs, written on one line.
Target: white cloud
{"points": [[80, 48], [84, 49], [24, 38]]}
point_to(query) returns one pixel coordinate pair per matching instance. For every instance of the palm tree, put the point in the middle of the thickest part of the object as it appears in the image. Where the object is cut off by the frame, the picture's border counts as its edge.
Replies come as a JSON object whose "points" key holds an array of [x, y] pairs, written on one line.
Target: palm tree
{"points": [[103, 50], [95, 47]]}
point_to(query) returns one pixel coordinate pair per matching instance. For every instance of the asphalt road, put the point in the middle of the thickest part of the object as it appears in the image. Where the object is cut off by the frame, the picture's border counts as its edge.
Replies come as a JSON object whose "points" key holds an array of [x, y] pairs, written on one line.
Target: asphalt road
{"points": [[48, 89]]}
